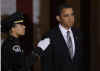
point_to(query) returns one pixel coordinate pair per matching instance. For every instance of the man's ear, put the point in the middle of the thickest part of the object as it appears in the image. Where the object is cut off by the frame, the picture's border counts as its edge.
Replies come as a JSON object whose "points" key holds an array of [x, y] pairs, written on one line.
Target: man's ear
{"points": [[58, 18]]}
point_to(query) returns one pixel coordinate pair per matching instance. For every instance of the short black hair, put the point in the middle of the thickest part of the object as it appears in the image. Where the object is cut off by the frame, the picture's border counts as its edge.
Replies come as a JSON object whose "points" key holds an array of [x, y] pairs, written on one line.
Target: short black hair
{"points": [[60, 7]]}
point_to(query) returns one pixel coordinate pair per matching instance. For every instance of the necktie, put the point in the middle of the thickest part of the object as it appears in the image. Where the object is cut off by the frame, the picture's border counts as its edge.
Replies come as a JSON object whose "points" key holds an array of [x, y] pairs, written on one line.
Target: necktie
{"points": [[69, 44]]}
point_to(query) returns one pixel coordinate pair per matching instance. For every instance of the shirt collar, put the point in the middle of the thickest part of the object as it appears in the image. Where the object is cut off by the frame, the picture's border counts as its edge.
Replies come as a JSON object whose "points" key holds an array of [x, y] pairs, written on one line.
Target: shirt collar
{"points": [[63, 30]]}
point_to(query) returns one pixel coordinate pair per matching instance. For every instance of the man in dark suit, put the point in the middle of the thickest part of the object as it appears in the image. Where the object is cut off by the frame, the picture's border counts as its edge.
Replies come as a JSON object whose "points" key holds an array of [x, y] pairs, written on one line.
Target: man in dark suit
{"points": [[61, 46]]}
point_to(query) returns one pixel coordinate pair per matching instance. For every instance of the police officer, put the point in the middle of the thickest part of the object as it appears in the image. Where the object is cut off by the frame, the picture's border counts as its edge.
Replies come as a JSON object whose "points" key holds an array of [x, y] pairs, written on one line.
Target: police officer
{"points": [[13, 58]]}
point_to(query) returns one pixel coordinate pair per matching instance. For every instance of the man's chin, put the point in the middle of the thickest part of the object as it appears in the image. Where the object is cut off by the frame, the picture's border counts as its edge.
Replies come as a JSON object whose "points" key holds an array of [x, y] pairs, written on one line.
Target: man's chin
{"points": [[22, 34], [70, 24]]}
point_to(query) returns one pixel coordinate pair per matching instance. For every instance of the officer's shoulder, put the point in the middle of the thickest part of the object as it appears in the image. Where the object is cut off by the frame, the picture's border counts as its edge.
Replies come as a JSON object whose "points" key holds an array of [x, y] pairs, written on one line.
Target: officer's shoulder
{"points": [[5, 43], [8, 41]]}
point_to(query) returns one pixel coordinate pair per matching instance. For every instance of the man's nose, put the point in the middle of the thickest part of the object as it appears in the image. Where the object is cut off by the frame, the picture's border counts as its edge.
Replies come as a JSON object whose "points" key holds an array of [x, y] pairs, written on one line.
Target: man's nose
{"points": [[71, 17]]}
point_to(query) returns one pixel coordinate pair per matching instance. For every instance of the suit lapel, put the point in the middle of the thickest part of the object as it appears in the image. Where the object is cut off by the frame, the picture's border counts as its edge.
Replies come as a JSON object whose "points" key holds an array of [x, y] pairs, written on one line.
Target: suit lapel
{"points": [[61, 44], [60, 38], [76, 43]]}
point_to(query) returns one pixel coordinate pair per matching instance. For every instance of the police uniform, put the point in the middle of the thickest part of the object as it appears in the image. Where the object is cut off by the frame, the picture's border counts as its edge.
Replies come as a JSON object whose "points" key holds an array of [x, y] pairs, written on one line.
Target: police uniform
{"points": [[13, 54]]}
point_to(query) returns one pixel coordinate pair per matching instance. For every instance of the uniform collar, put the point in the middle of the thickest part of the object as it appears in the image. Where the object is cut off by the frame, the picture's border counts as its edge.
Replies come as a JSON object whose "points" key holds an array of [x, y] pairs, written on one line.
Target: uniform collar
{"points": [[13, 38]]}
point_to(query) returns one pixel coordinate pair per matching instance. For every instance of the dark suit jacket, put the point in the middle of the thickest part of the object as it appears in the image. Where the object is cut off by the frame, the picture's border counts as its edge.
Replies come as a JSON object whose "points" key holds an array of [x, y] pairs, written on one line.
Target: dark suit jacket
{"points": [[56, 56]]}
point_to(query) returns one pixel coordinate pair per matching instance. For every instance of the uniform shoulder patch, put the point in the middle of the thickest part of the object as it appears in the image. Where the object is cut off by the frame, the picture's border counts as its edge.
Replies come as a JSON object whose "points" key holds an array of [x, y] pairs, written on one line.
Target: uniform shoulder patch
{"points": [[16, 48]]}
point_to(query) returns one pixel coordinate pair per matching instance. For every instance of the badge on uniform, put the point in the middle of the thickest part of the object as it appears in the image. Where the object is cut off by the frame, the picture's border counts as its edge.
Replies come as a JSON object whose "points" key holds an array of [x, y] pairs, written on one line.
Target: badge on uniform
{"points": [[16, 48]]}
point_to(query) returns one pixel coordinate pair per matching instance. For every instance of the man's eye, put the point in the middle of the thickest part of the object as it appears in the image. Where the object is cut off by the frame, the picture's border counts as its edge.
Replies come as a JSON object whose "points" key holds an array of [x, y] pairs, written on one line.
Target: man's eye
{"points": [[67, 15]]}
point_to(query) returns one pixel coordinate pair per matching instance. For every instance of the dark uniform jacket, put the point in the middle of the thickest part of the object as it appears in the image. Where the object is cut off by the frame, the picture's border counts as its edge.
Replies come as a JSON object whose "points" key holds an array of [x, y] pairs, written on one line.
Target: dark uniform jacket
{"points": [[13, 55], [56, 56]]}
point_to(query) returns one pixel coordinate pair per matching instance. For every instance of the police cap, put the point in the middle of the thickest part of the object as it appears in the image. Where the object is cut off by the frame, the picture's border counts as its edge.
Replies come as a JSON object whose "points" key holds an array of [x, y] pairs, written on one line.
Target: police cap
{"points": [[16, 18]]}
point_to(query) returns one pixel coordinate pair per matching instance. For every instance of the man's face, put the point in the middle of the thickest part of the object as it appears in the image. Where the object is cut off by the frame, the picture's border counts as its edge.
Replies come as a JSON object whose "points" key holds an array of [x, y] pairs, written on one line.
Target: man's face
{"points": [[66, 17], [19, 29]]}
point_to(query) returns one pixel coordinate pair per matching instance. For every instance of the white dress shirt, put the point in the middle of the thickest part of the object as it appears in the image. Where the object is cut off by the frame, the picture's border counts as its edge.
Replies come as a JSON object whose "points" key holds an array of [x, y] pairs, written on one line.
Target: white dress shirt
{"points": [[64, 33]]}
